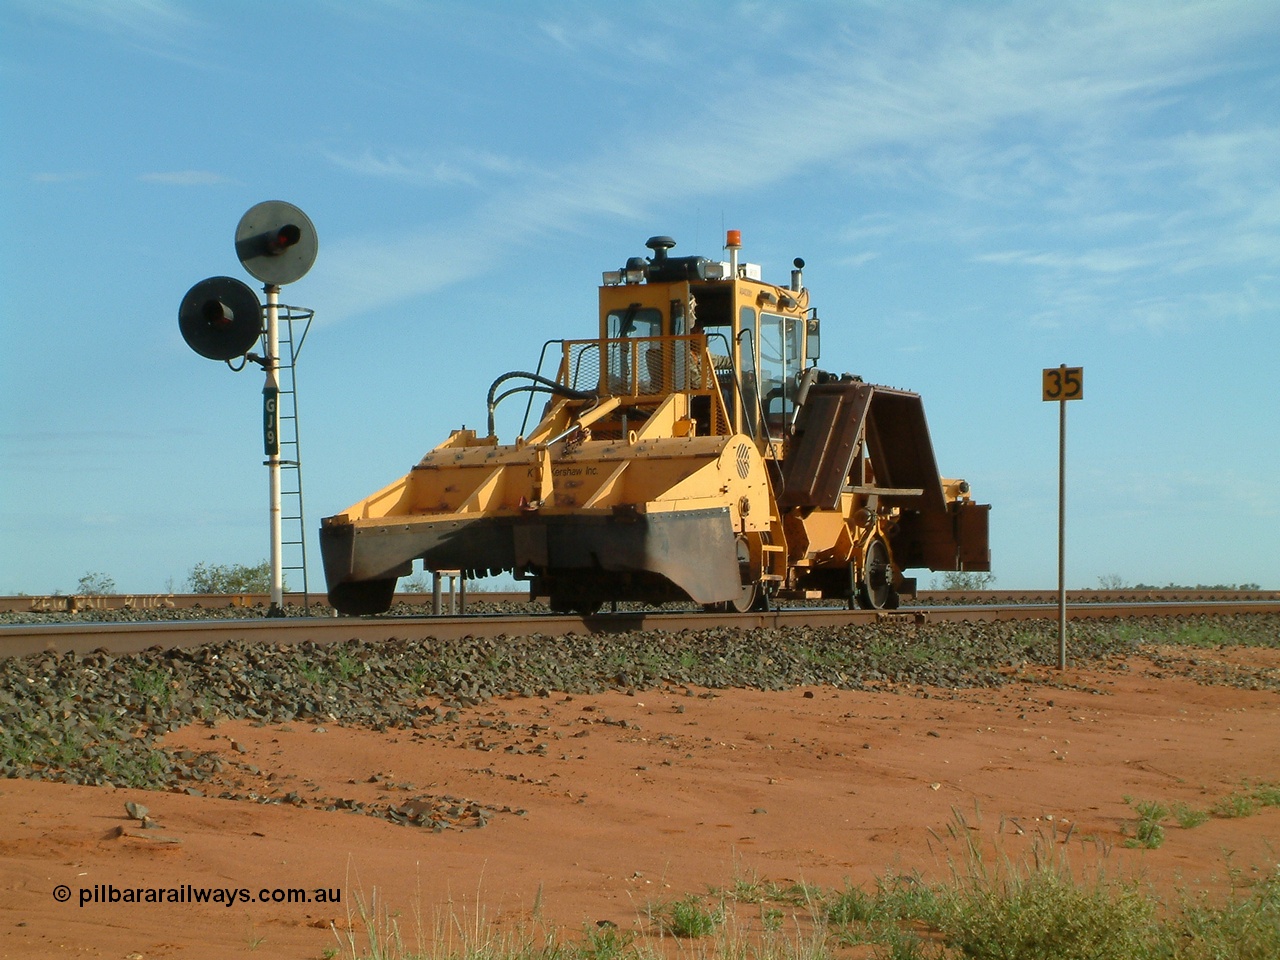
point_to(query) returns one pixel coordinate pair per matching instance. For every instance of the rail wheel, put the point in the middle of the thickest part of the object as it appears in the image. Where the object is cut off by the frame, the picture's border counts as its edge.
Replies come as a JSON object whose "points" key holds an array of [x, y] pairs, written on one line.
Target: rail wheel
{"points": [[584, 607], [875, 587], [751, 596], [363, 598], [747, 600]]}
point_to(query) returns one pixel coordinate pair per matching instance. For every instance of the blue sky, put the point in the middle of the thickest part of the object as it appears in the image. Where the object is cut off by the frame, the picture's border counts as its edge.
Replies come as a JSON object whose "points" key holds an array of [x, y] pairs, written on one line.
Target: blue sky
{"points": [[980, 190]]}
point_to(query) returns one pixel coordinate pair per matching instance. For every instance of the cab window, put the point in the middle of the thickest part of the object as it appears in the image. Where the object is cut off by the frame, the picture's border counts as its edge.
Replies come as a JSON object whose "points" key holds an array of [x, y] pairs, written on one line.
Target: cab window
{"points": [[780, 363], [631, 367], [634, 321]]}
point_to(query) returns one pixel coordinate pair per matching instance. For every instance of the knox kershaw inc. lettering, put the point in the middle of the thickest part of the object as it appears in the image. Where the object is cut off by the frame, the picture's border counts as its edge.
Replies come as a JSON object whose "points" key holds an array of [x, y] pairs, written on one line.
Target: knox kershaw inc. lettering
{"points": [[189, 893]]}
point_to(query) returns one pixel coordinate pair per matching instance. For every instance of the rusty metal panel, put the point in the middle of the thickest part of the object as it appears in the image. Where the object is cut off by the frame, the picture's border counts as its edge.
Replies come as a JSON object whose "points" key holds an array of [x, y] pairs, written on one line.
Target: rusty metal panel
{"points": [[972, 543], [925, 540], [828, 436], [951, 539], [900, 447]]}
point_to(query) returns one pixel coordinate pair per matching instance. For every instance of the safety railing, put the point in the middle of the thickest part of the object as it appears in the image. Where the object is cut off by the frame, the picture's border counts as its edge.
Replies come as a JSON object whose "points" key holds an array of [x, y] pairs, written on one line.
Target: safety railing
{"points": [[639, 367]]}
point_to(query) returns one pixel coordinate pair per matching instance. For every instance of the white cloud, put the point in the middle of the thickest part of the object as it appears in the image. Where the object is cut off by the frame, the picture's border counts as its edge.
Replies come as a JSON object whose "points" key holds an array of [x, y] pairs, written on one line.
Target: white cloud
{"points": [[68, 177], [148, 22], [1090, 261], [859, 259], [460, 168], [995, 105], [186, 178]]}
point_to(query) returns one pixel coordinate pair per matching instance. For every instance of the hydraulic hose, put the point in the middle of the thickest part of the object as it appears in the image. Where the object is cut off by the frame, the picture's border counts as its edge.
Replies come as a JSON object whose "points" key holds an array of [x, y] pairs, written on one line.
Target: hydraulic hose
{"points": [[540, 384]]}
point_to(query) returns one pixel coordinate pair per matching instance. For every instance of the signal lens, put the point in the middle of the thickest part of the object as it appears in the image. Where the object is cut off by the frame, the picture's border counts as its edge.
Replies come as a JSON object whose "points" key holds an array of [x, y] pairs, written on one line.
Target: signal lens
{"points": [[217, 314], [285, 238]]}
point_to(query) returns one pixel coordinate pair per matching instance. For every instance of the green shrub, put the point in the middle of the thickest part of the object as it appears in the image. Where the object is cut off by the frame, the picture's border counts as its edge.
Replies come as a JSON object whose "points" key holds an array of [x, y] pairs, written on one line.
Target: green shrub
{"points": [[1041, 913], [689, 918], [1246, 927], [95, 585], [230, 578], [1187, 816], [1235, 805], [1148, 832]]}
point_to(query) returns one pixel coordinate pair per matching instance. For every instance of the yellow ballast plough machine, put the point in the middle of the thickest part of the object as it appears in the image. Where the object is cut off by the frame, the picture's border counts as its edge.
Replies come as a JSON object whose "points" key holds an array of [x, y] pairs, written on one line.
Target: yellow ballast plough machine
{"points": [[691, 451]]}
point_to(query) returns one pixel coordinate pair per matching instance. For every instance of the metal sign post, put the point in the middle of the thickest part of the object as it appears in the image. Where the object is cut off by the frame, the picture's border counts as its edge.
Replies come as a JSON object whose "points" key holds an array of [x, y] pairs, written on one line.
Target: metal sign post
{"points": [[1062, 383]]}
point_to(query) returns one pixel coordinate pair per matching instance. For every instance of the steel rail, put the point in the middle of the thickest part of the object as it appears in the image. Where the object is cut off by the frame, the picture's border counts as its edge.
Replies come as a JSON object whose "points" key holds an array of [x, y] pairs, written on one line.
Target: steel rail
{"points": [[18, 640], [62, 603]]}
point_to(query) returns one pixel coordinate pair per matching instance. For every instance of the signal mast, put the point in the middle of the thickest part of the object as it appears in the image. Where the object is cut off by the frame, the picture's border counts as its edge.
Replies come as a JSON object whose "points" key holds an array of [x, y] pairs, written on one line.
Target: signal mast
{"points": [[221, 318]]}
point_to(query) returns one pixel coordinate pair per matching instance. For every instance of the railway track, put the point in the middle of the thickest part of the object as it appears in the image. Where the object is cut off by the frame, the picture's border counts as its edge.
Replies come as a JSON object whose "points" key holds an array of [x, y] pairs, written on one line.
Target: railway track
{"points": [[24, 639], [63, 603]]}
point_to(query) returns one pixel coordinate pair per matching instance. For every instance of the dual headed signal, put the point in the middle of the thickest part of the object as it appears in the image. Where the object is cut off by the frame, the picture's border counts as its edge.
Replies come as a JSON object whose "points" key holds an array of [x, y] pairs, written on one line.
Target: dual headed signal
{"points": [[221, 318]]}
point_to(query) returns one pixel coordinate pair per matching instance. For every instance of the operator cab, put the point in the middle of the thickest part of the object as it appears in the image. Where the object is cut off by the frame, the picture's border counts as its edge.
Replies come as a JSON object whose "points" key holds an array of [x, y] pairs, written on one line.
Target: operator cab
{"points": [[658, 315]]}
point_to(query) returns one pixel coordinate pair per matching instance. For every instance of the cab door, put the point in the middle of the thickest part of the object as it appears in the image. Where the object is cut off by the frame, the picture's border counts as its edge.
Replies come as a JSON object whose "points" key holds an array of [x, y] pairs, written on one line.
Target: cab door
{"points": [[781, 361]]}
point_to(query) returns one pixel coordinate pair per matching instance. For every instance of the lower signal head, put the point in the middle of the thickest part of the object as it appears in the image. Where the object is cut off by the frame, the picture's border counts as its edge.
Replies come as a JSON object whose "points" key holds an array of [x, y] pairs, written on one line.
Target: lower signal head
{"points": [[220, 318]]}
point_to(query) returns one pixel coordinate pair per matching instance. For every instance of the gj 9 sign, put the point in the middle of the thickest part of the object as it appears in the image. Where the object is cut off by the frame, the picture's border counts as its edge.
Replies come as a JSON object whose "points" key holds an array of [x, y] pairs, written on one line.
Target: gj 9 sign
{"points": [[271, 420]]}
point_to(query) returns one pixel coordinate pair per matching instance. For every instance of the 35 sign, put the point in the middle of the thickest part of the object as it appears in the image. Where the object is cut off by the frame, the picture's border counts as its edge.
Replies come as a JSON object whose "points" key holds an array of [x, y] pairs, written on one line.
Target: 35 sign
{"points": [[1064, 383]]}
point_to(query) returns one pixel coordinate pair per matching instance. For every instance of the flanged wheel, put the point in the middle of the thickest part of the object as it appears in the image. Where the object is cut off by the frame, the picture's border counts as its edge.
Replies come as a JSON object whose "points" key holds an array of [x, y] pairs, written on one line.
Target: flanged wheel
{"points": [[746, 601], [362, 598], [583, 606], [875, 587], [751, 595]]}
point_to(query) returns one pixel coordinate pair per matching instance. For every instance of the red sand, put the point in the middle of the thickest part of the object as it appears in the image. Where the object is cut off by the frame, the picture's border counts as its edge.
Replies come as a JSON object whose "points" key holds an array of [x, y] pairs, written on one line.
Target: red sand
{"points": [[641, 799]]}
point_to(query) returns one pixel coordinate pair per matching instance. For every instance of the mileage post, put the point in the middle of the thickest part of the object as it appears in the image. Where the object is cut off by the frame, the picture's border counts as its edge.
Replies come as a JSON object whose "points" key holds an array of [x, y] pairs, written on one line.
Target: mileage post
{"points": [[1062, 383]]}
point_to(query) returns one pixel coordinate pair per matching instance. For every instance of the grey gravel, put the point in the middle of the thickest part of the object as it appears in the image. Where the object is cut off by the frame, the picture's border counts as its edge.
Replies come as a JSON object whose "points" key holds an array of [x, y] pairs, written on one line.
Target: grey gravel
{"points": [[98, 718]]}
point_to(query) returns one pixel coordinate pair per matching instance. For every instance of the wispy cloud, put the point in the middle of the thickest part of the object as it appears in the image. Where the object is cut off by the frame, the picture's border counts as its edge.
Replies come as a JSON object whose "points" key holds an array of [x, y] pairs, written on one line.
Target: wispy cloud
{"points": [[859, 259], [1056, 120], [150, 20], [74, 176], [186, 178], [459, 168], [1135, 492], [34, 451], [1090, 261], [606, 42], [163, 28]]}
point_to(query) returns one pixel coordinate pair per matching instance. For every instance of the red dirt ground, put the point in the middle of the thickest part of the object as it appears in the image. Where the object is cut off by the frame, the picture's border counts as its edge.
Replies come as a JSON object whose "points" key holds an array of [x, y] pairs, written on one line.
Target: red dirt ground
{"points": [[641, 799]]}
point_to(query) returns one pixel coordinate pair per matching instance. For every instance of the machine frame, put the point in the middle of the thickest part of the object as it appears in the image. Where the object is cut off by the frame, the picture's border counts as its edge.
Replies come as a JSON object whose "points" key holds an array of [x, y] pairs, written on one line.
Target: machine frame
{"points": [[692, 450]]}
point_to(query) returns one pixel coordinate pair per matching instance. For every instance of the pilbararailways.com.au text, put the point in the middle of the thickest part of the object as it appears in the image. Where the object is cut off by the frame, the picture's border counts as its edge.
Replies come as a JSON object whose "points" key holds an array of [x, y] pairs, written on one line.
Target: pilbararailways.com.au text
{"points": [[188, 893]]}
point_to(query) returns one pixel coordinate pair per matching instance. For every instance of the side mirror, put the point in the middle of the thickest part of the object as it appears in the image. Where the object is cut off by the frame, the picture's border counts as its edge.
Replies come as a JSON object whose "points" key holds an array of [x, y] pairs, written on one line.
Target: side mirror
{"points": [[813, 338]]}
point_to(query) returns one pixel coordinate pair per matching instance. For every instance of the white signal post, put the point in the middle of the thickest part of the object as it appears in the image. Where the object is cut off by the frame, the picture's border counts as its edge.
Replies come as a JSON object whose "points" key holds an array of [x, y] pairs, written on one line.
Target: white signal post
{"points": [[271, 444], [276, 242], [1062, 383], [221, 318]]}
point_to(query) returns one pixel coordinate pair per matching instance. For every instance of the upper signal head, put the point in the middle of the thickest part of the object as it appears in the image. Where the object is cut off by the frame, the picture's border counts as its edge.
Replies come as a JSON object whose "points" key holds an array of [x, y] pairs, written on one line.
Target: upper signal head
{"points": [[276, 242]]}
